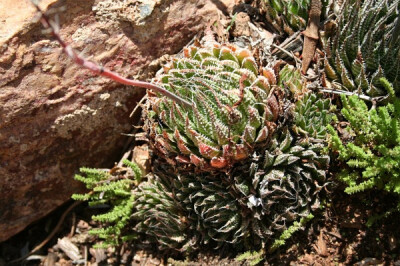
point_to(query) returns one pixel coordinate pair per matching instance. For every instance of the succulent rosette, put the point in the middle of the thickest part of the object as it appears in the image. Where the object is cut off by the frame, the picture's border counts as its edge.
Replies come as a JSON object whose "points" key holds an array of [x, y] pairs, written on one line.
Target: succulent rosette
{"points": [[233, 108], [364, 51]]}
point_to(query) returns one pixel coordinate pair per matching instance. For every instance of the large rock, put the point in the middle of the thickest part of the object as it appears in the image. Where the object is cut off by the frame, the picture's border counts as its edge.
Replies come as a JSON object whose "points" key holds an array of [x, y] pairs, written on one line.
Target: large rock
{"points": [[55, 116]]}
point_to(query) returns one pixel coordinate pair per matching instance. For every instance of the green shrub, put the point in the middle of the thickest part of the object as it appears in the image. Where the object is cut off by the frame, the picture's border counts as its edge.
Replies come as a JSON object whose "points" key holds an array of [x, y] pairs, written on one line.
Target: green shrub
{"points": [[371, 149]]}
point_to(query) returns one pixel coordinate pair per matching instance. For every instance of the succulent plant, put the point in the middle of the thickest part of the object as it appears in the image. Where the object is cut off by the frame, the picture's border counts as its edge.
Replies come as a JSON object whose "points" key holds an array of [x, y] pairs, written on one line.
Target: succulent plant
{"points": [[365, 48], [288, 17], [160, 216], [254, 203], [311, 111], [281, 186], [233, 110], [311, 115]]}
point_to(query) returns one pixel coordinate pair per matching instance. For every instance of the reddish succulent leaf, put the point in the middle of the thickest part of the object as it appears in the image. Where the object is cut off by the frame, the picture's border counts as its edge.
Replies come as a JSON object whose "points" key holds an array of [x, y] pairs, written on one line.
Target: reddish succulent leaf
{"points": [[219, 162], [241, 152], [207, 151], [263, 134], [182, 159], [181, 144], [270, 75], [196, 160]]}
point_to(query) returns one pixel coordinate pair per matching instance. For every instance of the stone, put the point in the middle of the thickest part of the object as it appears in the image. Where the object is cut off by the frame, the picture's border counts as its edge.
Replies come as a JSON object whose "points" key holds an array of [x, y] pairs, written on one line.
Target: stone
{"points": [[241, 25], [56, 116]]}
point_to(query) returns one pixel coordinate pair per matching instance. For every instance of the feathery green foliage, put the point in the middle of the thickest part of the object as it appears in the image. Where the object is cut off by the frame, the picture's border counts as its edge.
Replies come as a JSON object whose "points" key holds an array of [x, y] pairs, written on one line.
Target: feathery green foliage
{"points": [[112, 188], [251, 257], [234, 108], [365, 48], [290, 231], [375, 217], [373, 153]]}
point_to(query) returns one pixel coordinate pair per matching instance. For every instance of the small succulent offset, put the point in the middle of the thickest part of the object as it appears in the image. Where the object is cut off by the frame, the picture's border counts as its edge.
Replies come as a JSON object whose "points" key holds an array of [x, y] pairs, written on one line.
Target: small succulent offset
{"points": [[234, 108], [287, 17], [159, 215], [312, 112], [365, 47]]}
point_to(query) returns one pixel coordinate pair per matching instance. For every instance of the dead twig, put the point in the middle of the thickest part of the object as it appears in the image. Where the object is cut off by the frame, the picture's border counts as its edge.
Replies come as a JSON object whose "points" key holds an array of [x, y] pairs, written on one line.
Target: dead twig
{"points": [[349, 93], [320, 247], [100, 70], [337, 235], [138, 105], [73, 227], [286, 52], [124, 157], [51, 235]]}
